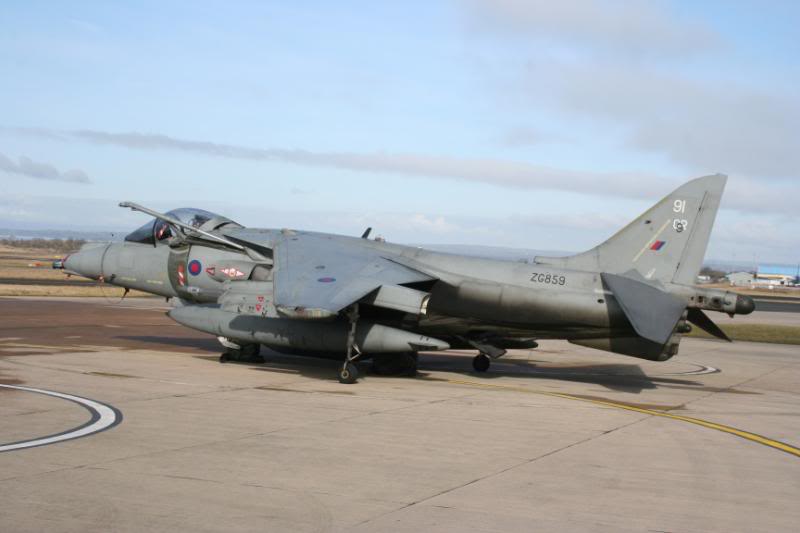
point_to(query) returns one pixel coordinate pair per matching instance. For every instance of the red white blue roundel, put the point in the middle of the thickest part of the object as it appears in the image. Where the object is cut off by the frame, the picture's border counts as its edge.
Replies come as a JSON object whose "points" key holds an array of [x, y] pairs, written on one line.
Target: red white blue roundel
{"points": [[195, 267]]}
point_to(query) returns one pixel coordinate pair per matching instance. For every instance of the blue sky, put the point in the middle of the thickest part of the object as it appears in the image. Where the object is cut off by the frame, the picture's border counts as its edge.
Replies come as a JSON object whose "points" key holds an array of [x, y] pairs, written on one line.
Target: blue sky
{"points": [[517, 123]]}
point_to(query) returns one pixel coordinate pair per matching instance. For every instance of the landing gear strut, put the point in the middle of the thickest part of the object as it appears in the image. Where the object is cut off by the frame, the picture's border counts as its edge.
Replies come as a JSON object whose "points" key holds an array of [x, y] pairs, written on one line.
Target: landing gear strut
{"points": [[349, 372]]}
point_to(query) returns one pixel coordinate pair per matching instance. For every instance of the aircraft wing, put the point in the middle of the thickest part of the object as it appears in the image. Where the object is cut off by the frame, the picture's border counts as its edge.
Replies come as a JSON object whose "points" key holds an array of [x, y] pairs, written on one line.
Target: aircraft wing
{"points": [[318, 275]]}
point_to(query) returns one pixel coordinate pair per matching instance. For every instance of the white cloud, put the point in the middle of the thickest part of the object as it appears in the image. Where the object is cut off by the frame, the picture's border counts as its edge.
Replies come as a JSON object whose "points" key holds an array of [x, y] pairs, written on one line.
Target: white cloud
{"points": [[744, 194], [524, 136], [620, 26], [698, 124], [43, 171]]}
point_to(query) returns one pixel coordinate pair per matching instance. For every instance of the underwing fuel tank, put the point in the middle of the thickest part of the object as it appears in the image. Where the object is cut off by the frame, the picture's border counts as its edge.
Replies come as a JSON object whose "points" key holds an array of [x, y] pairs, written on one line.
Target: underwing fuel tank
{"points": [[301, 334]]}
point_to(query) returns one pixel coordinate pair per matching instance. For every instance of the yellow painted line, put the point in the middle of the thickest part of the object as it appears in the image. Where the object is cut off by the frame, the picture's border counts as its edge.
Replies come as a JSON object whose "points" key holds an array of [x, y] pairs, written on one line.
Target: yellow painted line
{"points": [[651, 241], [778, 445]]}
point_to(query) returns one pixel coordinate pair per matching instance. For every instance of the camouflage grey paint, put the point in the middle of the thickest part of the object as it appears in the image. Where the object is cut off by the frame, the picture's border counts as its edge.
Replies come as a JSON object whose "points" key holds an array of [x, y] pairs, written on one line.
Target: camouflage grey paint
{"points": [[632, 295]]}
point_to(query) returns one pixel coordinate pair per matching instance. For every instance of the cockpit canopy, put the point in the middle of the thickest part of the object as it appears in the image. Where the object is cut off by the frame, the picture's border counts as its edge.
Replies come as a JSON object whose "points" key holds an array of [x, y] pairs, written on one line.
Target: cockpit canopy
{"points": [[157, 230]]}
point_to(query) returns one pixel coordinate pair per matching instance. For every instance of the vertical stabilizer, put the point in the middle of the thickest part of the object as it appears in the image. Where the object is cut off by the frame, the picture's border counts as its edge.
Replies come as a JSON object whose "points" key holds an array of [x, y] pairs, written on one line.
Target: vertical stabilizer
{"points": [[667, 243]]}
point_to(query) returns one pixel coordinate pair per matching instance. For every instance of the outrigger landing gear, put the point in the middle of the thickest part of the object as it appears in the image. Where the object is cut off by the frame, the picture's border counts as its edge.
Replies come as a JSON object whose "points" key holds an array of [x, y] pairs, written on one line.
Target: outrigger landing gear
{"points": [[488, 352], [481, 362], [349, 372]]}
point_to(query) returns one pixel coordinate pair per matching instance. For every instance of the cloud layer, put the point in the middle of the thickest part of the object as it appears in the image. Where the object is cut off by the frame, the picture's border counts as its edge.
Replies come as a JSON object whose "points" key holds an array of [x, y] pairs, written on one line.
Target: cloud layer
{"points": [[43, 171], [637, 28], [743, 194], [665, 84]]}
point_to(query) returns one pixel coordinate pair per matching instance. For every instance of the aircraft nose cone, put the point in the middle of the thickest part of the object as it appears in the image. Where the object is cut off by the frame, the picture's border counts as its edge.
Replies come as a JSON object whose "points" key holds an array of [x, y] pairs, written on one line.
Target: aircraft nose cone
{"points": [[88, 262], [744, 305]]}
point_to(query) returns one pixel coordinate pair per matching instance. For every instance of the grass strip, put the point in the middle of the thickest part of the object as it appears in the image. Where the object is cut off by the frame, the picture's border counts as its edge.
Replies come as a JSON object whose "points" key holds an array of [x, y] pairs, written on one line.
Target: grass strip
{"points": [[775, 334]]}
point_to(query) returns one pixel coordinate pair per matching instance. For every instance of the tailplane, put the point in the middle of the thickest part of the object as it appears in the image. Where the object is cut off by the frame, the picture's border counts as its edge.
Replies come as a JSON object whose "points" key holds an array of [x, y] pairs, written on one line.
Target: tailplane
{"points": [[667, 243]]}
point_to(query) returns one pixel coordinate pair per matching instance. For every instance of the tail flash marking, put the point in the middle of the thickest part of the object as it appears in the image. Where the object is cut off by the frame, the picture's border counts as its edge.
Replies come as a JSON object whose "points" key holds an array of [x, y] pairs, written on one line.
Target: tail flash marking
{"points": [[658, 245], [653, 240]]}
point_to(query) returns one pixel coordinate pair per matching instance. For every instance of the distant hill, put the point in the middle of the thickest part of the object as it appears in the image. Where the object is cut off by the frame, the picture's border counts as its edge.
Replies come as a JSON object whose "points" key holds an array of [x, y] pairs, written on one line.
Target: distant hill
{"points": [[25, 234]]}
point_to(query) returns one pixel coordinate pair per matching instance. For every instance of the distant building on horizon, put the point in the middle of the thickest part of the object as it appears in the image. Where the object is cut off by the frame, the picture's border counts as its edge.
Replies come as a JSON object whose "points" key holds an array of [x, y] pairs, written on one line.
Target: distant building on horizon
{"points": [[741, 279], [777, 275]]}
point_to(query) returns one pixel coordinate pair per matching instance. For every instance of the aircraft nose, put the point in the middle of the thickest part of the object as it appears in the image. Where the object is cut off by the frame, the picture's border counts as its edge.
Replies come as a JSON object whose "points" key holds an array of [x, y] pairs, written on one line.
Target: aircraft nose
{"points": [[88, 262], [744, 305]]}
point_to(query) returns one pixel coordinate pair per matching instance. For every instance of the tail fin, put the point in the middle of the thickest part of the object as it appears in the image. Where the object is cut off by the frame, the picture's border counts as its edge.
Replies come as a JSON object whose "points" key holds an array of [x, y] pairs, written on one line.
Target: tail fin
{"points": [[667, 243]]}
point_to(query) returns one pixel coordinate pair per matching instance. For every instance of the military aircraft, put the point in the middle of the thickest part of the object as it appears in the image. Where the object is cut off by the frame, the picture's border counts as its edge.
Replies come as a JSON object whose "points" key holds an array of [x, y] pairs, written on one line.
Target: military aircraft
{"points": [[308, 292]]}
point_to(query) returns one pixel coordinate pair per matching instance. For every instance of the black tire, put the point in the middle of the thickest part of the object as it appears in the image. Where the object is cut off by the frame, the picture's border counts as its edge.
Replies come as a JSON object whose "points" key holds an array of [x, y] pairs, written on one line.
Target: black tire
{"points": [[481, 363], [251, 350], [224, 357], [397, 364], [348, 374]]}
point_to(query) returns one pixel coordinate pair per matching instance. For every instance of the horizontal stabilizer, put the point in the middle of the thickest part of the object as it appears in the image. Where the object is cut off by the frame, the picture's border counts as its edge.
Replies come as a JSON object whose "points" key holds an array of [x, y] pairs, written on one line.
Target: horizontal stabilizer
{"points": [[701, 320], [652, 312]]}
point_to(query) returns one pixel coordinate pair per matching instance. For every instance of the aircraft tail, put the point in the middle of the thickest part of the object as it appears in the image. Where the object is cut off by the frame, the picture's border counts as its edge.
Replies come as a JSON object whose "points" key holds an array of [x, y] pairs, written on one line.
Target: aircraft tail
{"points": [[667, 243]]}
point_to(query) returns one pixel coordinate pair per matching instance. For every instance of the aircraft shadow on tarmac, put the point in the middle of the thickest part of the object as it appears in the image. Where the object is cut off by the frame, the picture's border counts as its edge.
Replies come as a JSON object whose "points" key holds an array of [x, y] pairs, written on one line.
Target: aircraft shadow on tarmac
{"points": [[619, 377]]}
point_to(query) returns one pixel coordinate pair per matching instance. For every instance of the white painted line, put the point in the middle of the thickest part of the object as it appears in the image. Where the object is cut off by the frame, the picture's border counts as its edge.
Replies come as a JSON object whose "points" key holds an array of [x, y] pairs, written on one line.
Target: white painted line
{"points": [[699, 372], [103, 417]]}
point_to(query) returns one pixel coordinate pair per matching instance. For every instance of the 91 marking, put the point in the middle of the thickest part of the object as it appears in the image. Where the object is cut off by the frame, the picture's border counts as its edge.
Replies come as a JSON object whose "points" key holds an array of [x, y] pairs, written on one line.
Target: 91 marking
{"points": [[679, 224]]}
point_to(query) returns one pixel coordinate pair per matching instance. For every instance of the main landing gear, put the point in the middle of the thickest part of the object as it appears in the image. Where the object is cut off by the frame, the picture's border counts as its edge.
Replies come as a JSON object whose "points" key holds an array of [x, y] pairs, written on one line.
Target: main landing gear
{"points": [[395, 364], [240, 353], [348, 374]]}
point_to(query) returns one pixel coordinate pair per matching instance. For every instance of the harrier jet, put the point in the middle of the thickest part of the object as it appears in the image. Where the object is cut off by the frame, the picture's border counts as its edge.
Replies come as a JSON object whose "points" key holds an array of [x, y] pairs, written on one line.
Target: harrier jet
{"points": [[306, 292]]}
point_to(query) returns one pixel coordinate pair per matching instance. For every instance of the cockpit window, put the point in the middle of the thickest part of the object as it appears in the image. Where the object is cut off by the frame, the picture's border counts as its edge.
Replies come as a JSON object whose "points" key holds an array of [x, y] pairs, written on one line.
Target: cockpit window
{"points": [[193, 217], [162, 231], [157, 230], [143, 235]]}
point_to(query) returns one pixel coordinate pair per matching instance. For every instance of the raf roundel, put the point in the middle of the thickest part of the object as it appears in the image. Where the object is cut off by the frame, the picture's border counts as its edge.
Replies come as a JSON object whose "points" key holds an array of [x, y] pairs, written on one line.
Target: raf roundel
{"points": [[326, 280], [195, 267]]}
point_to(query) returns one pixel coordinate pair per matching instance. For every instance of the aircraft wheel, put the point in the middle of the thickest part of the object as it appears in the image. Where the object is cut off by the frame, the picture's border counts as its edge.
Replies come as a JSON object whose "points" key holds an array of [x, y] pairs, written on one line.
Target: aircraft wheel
{"points": [[251, 350], [412, 360], [250, 353], [348, 374], [225, 357], [481, 363], [400, 364]]}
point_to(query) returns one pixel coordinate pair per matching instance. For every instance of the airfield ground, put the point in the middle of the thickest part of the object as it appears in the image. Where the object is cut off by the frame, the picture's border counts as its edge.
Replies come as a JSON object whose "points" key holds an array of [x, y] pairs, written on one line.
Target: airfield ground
{"points": [[560, 438]]}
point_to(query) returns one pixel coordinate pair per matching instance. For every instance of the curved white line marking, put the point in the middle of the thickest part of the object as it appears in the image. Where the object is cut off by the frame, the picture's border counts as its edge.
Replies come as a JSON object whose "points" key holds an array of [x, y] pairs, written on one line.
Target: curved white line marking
{"points": [[103, 417], [703, 369]]}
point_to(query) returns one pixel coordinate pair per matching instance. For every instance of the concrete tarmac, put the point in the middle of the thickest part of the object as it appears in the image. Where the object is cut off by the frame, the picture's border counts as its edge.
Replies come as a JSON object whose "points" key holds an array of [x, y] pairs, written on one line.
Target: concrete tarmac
{"points": [[777, 304], [559, 438]]}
